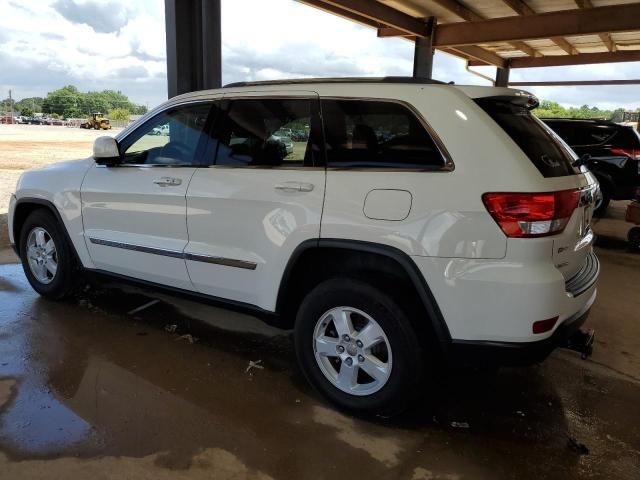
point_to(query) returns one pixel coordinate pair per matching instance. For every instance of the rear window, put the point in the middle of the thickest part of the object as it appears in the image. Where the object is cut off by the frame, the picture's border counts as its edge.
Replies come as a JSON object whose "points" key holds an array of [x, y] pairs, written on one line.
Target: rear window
{"points": [[546, 153]]}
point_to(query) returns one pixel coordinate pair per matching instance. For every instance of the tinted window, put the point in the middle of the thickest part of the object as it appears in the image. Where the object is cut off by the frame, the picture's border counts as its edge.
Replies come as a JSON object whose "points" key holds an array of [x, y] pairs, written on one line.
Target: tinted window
{"points": [[547, 153], [377, 134], [169, 138], [260, 133], [627, 138], [573, 133]]}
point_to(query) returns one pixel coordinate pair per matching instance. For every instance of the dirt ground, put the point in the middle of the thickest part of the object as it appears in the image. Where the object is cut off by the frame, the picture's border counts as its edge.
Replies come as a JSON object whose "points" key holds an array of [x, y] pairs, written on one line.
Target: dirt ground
{"points": [[23, 147]]}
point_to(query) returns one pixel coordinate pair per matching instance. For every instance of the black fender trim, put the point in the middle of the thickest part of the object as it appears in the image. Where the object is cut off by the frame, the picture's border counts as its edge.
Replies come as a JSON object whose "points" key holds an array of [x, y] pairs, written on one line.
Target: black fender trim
{"points": [[52, 208], [409, 266]]}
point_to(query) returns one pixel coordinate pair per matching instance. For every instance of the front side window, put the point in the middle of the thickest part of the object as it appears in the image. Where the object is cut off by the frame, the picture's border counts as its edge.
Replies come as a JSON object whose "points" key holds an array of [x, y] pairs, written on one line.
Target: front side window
{"points": [[265, 132], [169, 138], [377, 134]]}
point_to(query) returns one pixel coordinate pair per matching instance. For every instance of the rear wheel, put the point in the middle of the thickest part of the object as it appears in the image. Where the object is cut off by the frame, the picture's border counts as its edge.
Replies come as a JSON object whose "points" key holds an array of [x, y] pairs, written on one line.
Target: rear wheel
{"points": [[47, 258], [357, 347]]}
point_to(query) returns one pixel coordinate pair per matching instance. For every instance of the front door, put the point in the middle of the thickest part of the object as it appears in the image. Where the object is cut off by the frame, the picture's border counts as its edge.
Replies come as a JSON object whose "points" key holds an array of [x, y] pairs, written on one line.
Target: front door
{"points": [[259, 199], [134, 213]]}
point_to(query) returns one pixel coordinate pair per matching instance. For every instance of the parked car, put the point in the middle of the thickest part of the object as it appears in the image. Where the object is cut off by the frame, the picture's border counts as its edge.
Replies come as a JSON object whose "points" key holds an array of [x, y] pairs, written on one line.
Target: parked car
{"points": [[462, 239], [284, 138], [160, 130], [613, 155], [299, 136]]}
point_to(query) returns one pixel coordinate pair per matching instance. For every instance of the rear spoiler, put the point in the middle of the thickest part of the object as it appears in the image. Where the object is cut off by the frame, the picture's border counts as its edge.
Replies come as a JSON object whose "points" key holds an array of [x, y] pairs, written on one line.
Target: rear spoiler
{"points": [[522, 99]]}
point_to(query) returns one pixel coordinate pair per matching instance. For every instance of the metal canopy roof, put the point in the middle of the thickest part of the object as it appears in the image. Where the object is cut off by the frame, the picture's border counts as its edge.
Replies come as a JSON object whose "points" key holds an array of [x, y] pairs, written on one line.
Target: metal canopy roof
{"points": [[507, 33]]}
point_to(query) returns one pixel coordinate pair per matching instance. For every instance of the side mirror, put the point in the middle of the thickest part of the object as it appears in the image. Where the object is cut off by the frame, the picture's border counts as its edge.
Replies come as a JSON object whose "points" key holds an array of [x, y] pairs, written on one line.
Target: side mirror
{"points": [[105, 151]]}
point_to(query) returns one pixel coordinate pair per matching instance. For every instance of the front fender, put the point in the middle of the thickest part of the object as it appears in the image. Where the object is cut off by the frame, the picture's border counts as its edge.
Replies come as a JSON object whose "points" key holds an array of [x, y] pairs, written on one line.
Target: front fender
{"points": [[57, 187]]}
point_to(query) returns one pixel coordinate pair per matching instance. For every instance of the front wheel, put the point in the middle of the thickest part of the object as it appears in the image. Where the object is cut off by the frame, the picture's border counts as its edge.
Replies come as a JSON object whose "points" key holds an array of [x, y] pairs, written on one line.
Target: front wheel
{"points": [[357, 347], [47, 258]]}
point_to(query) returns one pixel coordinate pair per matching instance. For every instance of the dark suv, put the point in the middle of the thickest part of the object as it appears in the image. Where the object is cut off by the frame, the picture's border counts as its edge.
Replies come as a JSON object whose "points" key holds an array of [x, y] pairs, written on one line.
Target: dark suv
{"points": [[614, 151]]}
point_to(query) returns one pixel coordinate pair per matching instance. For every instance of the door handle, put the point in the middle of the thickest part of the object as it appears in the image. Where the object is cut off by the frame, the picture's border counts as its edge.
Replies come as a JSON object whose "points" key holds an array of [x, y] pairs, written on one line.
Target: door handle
{"points": [[295, 187], [168, 182]]}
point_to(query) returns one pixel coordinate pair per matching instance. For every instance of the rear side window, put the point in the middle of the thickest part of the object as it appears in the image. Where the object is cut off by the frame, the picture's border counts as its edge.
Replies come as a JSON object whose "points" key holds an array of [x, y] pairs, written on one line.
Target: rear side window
{"points": [[547, 154], [377, 134]]}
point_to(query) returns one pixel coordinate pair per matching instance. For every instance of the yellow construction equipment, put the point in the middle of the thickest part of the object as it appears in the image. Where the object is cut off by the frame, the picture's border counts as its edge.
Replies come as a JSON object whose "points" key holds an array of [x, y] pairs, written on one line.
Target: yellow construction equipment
{"points": [[97, 122]]}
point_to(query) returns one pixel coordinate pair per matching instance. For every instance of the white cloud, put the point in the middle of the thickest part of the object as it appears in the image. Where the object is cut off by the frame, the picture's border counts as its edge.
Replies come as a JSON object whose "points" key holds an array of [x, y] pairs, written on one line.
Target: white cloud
{"points": [[120, 44]]}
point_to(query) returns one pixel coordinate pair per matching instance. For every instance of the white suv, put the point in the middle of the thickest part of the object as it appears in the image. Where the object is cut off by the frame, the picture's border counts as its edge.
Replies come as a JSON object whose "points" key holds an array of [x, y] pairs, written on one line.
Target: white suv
{"points": [[418, 225]]}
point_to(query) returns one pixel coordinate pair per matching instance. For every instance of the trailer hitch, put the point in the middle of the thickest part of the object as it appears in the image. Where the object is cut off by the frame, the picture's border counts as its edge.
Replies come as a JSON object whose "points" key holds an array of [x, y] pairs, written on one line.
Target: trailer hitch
{"points": [[582, 342]]}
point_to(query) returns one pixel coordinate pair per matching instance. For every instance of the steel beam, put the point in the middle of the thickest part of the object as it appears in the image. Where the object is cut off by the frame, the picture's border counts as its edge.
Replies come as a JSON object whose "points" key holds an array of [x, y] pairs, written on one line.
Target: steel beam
{"points": [[423, 52], [582, 59], [617, 18], [567, 83], [193, 35], [373, 11], [502, 77]]}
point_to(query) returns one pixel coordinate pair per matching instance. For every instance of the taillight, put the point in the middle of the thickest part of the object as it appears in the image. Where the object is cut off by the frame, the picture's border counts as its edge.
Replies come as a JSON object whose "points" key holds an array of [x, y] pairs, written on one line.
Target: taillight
{"points": [[630, 152], [525, 215]]}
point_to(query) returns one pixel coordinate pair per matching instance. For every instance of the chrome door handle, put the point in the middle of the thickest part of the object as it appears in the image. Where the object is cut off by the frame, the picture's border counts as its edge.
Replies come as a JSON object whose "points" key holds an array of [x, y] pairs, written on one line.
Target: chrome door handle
{"points": [[168, 182], [295, 187]]}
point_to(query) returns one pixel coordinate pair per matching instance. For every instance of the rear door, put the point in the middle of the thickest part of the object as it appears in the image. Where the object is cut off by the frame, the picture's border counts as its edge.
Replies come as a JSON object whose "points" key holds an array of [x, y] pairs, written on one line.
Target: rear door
{"points": [[258, 199]]}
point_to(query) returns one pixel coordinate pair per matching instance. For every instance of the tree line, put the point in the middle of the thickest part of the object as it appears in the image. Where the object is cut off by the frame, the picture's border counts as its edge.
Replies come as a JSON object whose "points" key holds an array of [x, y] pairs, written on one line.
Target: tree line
{"points": [[69, 102], [549, 109]]}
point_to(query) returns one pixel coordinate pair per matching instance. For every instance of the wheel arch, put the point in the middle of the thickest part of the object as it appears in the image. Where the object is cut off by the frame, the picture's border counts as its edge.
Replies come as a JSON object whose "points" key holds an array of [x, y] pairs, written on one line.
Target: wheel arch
{"points": [[24, 207], [380, 263]]}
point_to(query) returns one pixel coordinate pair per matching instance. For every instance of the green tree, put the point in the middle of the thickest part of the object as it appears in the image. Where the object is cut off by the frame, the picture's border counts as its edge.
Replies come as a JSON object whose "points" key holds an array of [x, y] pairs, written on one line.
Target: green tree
{"points": [[26, 112], [32, 103], [65, 101], [119, 114]]}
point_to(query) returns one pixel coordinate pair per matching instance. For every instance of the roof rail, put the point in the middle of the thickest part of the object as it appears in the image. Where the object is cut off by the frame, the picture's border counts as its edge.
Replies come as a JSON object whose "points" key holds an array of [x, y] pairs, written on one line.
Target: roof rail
{"points": [[303, 81]]}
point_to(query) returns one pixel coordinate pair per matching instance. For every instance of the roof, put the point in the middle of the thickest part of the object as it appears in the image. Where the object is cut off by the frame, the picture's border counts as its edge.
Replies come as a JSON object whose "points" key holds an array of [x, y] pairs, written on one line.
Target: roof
{"points": [[513, 33]]}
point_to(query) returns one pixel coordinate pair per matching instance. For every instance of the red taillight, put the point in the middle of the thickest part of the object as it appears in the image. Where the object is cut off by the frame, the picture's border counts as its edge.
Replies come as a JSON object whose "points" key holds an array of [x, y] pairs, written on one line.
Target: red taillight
{"points": [[525, 215], [630, 152], [542, 326]]}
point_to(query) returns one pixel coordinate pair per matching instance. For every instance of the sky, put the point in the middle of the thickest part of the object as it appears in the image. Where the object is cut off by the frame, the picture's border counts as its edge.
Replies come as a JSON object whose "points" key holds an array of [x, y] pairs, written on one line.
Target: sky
{"points": [[120, 45]]}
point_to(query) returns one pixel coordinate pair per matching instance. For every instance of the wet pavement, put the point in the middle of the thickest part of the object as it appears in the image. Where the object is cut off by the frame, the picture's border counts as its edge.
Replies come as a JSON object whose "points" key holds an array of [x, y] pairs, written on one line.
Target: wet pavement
{"points": [[91, 388]]}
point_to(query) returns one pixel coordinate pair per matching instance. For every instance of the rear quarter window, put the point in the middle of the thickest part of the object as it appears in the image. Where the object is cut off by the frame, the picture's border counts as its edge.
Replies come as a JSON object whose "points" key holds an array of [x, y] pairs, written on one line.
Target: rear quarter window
{"points": [[537, 142], [377, 134]]}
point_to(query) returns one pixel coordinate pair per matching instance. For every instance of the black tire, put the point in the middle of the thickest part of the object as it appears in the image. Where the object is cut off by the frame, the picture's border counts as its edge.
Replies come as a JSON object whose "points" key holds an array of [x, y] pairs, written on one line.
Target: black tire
{"points": [[407, 369], [601, 209], [64, 281]]}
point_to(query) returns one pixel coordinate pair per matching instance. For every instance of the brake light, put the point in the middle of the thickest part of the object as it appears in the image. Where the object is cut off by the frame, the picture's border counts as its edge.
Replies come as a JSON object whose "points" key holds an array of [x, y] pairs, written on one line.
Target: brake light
{"points": [[629, 152], [526, 215]]}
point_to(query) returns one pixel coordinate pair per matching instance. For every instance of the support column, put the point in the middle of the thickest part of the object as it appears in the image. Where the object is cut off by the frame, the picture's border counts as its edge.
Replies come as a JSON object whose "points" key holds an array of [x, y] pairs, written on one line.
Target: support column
{"points": [[194, 51], [423, 53], [502, 77]]}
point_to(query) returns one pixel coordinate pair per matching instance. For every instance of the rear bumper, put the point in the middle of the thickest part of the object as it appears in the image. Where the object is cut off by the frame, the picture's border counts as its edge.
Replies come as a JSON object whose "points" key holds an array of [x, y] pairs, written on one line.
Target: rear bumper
{"points": [[469, 353]]}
